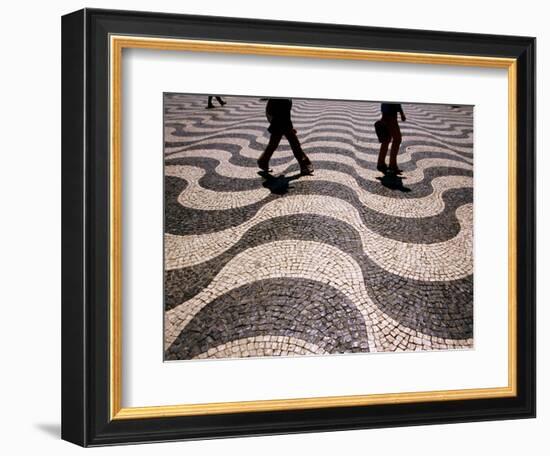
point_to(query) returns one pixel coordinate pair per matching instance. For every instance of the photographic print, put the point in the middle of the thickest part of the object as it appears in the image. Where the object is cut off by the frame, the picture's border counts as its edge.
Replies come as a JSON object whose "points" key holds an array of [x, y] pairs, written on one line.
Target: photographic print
{"points": [[316, 227]]}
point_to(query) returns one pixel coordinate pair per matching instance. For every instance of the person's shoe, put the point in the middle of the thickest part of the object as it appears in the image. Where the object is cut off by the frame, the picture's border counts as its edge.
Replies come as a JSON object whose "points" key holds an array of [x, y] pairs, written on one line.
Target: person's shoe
{"points": [[223, 103], [306, 170], [382, 167], [263, 166], [210, 107]]}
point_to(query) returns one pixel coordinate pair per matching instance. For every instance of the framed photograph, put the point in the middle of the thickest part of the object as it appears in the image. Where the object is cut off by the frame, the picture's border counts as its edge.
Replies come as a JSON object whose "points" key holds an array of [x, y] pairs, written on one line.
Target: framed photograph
{"points": [[278, 227]]}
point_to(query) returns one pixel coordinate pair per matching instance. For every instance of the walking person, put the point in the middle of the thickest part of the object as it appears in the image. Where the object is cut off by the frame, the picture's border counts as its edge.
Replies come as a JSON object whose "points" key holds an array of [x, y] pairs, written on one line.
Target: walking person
{"points": [[280, 124], [210, 105], [391, 134]]}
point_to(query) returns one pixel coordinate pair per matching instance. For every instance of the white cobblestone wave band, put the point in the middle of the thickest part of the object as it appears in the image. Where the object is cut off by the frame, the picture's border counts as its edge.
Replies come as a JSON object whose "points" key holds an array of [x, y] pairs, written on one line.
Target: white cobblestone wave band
{"points": [[310, 260], [269, 345], [195, 196], [441, 261], [361, 138], [228, 169]]}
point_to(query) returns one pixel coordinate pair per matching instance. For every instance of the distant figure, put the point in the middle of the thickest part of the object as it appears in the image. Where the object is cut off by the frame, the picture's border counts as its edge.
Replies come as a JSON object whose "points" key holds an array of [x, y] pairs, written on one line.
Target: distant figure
{"points": [[393, 135], [280, 124], [210, 105]]}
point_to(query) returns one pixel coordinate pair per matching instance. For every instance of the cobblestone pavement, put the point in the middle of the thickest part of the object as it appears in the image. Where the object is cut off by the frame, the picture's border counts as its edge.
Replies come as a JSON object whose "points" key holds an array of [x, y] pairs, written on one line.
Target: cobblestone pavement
{"points": [[347, 260]]}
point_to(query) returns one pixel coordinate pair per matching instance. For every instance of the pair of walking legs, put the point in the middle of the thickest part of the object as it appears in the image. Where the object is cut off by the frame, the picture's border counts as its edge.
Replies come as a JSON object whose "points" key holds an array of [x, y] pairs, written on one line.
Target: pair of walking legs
{"points": [[211, 105], [299, 154], [395, 138]]}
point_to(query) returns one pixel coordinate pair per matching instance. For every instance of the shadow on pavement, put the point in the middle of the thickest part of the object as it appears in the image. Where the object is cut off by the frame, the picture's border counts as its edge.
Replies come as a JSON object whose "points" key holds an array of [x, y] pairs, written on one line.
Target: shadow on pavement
{"points": [[393, 182], [278, 185]]}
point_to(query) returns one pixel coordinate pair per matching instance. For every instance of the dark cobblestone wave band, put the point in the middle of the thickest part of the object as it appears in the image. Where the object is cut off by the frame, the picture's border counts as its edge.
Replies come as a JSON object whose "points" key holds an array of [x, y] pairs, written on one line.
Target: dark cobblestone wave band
{"points": [[437, 117], [180, 138], [181, 220], [213, 180], [393, 272], [203, 124], [228, 118], [298, 308], [363, 157]]}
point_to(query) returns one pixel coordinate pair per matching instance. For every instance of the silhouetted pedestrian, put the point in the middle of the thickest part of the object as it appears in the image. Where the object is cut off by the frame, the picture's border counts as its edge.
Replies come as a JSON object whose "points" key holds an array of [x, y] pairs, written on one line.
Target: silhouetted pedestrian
{"points": [[392, 134], [280, 124], [210, 105]]}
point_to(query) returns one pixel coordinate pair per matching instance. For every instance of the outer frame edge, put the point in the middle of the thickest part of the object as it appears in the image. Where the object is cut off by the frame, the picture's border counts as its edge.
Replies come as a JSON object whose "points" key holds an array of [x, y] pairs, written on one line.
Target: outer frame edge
{"points": [[111, 434], [73, 365]]}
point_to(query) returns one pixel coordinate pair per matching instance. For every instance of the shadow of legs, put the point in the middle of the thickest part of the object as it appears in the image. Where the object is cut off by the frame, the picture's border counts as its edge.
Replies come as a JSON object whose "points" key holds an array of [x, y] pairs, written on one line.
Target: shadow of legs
{"points": [[393, 182], [277, 185]]}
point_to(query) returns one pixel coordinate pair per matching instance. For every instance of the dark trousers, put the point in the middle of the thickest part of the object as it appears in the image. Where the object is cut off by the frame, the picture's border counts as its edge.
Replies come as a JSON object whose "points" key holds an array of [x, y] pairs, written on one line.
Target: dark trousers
{"points": [[395, 134], [294, 142], [220, 101]]}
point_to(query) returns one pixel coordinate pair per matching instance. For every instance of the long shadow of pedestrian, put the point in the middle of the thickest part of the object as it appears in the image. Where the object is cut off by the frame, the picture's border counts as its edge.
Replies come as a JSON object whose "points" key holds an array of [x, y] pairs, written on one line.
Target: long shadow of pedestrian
{"points": [[393, 182], [278, 185]]}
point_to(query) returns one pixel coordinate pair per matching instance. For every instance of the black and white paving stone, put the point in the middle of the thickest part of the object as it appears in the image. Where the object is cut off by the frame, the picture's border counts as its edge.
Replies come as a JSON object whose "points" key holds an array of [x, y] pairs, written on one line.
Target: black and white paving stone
{"points": [[346, 260]]}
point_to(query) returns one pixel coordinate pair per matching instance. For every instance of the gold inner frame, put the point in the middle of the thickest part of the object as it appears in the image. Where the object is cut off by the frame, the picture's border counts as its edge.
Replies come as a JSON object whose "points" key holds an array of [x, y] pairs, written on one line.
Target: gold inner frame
{"points": [[117, 44]]}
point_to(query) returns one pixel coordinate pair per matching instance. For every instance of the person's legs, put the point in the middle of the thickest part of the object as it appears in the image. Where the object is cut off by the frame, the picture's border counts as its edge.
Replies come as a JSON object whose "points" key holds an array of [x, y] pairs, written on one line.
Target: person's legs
{"points": [[274, 140], [395, 143], [220, 101], [299, 154], [209, 105], [382, 156], [384, 145]]}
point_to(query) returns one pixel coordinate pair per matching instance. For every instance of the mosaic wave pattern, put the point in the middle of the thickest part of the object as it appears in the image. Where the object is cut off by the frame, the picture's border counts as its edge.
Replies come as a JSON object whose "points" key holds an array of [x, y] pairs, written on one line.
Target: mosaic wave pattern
{"points": [[344, 261]]}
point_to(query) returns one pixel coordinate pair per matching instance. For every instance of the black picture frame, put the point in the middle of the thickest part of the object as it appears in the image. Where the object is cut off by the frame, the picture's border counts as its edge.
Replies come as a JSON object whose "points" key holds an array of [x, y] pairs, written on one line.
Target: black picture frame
{"points": [[86, 355]]}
